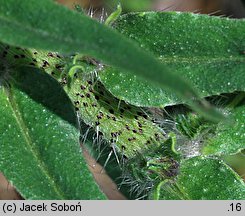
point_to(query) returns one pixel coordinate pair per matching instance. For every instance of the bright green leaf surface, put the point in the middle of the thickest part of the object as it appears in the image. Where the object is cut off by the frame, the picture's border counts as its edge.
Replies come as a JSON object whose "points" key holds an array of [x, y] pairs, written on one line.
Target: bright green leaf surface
{"points": [[229, 136], [40, 152], [205, 179], [30, 23], [207, 51]]}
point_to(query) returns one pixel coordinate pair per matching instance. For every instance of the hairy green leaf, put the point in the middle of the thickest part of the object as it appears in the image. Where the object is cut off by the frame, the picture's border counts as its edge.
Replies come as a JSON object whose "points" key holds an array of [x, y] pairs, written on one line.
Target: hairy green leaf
{"points": [[207, 51], [203, 178], [40, 152], [30, 23], [229, 136]]}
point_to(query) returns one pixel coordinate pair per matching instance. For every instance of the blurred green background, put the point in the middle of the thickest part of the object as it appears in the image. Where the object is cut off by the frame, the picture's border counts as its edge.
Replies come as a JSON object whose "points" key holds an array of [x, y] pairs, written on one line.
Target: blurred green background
{"points": [[231, 8]]}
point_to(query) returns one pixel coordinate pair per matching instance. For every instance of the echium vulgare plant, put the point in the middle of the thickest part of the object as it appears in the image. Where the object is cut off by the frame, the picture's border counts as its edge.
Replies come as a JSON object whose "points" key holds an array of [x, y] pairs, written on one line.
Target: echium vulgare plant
{"points": [[156, 97]]}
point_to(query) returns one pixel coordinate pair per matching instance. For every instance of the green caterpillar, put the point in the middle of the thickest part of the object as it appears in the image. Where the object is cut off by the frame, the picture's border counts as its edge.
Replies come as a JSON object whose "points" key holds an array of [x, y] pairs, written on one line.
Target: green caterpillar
{"points": [[13, 57], [130, 132], [119, 122]]}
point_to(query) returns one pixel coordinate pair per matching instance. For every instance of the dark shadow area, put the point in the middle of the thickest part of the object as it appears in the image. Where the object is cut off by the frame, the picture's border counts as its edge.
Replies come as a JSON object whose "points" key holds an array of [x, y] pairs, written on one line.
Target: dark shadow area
{"points": [[45, 90]]}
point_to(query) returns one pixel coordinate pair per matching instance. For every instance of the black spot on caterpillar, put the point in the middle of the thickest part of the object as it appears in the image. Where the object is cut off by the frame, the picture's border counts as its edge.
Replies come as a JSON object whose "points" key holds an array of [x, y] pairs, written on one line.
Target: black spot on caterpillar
{"points": [[14, 57]]}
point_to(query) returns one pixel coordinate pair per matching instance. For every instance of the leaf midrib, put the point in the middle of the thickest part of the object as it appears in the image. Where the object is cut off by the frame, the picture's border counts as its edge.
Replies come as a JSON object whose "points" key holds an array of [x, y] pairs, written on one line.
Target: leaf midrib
{"points": [[25, 132]]}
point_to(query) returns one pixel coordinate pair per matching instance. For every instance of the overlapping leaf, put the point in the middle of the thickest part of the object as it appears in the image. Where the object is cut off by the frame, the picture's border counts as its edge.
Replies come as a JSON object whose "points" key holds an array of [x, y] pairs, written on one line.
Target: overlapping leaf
{"points": [[40, 152], [203, 178], [45, 25], [207, 51], [229, 136]]}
